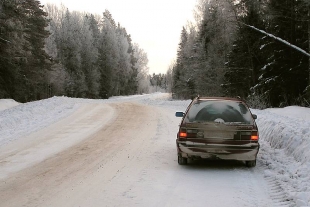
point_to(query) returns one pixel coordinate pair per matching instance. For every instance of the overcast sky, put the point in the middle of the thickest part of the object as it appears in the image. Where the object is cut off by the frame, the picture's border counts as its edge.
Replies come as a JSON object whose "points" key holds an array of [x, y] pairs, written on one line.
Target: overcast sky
{"points": [[154, 24]]}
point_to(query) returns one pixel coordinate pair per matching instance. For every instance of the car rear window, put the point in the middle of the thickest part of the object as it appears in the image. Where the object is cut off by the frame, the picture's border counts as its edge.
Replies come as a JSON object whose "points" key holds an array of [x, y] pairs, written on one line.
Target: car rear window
{"points": [[222, 111]]}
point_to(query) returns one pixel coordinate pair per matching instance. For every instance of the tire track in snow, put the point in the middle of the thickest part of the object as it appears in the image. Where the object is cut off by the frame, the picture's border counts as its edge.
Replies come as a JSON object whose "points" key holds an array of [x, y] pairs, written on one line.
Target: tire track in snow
{"points": [[277, 192]]}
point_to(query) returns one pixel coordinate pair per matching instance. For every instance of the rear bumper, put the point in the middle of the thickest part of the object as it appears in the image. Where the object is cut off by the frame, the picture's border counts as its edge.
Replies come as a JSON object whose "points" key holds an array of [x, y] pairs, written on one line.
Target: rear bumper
{"points": [[243, 152]]}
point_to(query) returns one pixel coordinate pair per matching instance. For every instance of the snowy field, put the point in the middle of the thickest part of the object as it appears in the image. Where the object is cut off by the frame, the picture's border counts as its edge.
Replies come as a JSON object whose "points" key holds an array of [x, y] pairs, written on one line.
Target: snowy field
{"points": [[283, 159]]}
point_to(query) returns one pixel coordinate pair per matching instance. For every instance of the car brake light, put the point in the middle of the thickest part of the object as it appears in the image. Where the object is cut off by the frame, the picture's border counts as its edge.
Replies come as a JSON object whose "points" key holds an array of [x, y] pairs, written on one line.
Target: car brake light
{"points": [[182, 134], [254, 136]]}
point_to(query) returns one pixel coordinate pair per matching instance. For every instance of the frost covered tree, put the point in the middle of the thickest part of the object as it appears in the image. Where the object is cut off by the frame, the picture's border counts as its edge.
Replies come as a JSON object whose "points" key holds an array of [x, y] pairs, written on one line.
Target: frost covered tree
{"points": [[124, 69], [179, 77], [169, 77], [70, 47], [142, 69], [89, 55], [57, 76], [202, 51], [248, 48], [108, 56], [56, 51], [92, 56], [215, 33]]}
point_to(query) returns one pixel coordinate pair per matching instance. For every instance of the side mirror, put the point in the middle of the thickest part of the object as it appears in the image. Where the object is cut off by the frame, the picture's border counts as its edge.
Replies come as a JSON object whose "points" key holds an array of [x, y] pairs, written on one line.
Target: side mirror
{"points": [[254, 116], [179, 114]]}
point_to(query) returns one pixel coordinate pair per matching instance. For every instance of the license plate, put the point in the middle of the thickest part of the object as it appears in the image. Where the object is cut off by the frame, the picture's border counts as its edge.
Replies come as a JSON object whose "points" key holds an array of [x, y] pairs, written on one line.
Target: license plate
{"points": [[194, 143], [219, 135]]}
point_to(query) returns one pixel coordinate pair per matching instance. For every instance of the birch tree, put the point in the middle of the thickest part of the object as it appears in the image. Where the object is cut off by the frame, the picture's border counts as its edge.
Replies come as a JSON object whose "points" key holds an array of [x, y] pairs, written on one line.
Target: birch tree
{"points": [[142, 69]]}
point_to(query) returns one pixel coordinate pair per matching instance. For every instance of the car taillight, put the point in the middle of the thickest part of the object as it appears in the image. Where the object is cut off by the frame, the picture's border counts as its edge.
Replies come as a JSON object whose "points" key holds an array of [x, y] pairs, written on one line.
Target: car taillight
{"points": [[182, 133], [254, 136]]}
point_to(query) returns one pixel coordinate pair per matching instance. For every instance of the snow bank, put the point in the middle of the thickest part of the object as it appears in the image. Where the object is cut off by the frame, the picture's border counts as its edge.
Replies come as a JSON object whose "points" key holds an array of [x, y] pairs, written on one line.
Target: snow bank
{"points": [[7, 103], [292, 112], [287, 129], [285, 150], [29, 117]]}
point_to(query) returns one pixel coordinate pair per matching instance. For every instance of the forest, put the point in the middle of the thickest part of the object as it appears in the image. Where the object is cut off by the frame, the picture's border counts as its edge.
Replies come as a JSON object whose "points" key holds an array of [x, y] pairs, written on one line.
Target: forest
{"points": [[255, 49], [226, 52], [49, 50]]}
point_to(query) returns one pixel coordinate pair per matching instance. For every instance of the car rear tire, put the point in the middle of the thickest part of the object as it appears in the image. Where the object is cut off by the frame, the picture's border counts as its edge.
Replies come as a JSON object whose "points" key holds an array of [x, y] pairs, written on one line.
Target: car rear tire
{"points": [[251, 163], [182, 160]]}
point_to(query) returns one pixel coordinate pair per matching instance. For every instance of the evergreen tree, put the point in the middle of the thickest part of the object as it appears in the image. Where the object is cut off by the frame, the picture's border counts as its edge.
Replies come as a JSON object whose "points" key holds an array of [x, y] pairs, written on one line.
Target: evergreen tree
{"points": [[22, 57], [11, 50], [124, 68], [245, 59], [108, 56], [180, 88], [77, 56], [132, 87], [285, 75], [89, 56], [35, 34], [215, 33]]}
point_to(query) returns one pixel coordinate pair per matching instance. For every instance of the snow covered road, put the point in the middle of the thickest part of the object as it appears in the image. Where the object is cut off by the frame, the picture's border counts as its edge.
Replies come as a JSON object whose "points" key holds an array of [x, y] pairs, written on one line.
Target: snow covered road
{"points": [[53, 139], [121, 152]]}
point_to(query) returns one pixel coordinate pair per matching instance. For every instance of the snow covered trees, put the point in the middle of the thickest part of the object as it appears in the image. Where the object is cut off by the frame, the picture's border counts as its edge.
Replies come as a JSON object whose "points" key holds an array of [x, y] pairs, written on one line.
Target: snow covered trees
{"points": [[202, 51], [98, 56], [58, 52], [236, 58]]}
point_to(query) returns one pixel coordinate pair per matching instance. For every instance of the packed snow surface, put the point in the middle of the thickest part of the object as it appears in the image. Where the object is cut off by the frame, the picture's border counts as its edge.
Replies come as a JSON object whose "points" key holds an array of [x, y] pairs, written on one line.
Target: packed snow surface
{"points": [[283, 159], [7, 103]]}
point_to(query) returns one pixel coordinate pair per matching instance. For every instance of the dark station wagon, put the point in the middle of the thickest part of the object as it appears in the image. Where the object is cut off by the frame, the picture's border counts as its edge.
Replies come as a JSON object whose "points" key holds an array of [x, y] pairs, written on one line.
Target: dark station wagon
{"points": [[217, 128]]}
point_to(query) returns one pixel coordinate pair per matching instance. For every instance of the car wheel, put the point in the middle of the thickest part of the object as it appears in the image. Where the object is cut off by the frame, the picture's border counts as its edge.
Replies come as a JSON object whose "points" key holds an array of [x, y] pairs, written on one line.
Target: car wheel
{"points": [[182, 160], [251, 163]]}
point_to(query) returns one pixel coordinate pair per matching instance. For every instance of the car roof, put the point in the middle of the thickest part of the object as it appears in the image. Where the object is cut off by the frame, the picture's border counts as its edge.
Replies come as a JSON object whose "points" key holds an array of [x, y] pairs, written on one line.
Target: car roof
{"points": [[219, 98], [206, 98]]}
